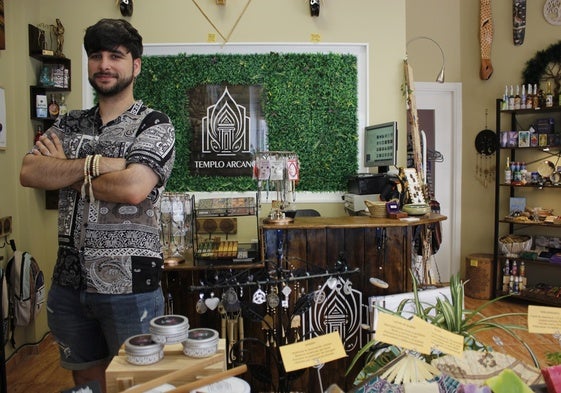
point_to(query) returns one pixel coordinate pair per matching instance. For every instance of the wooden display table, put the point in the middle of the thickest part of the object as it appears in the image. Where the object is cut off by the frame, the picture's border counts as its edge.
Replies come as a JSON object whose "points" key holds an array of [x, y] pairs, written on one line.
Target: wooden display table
{"points": [[121, 375]]}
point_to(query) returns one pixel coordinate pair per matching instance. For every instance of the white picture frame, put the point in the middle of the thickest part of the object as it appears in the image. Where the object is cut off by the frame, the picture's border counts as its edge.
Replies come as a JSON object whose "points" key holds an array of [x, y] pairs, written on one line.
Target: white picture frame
{"points": [[3, 128]]}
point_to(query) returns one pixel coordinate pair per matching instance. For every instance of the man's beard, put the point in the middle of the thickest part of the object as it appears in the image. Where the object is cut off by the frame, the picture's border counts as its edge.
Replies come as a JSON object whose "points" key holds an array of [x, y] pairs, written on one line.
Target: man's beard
{"points": [[121, 85]]}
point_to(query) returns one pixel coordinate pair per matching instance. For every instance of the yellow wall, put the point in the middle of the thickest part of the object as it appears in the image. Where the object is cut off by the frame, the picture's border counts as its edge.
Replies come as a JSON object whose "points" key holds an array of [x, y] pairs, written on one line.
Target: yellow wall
{"points": [[508, 62], [379, 23]]}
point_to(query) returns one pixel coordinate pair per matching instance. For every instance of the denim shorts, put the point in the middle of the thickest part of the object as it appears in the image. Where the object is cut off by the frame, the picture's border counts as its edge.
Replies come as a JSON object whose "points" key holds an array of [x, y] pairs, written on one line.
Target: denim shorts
{"points": [[90, 327]]}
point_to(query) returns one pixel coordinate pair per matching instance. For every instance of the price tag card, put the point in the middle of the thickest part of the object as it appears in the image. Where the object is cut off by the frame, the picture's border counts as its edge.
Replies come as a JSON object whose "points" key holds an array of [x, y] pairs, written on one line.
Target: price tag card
{"points": [[411, 334], [544, 320], [447, 342], [312, 352]]}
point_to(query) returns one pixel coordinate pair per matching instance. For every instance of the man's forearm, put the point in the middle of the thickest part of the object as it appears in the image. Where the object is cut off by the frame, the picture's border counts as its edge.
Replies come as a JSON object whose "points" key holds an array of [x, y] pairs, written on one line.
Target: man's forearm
{"points": [[50, 173]]}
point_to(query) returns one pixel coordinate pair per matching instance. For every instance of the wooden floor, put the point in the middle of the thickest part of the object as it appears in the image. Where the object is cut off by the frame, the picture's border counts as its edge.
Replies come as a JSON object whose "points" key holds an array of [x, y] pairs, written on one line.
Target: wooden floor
{"points": [[41, 372]]}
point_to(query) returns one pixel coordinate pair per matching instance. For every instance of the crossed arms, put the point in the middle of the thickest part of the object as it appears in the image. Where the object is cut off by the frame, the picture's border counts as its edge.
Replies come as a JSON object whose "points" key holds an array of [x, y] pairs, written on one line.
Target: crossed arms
{"points": [[48, 168]]}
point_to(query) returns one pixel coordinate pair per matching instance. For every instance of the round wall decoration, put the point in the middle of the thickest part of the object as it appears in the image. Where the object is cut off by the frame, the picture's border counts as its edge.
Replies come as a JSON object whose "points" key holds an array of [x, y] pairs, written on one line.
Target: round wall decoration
{"points": [[551, 12], [486, 142]]}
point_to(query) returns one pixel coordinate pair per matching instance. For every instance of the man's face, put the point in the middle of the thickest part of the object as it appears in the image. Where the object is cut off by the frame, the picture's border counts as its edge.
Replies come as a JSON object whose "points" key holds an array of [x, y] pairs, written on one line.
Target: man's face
{"points": [[111, 72]]}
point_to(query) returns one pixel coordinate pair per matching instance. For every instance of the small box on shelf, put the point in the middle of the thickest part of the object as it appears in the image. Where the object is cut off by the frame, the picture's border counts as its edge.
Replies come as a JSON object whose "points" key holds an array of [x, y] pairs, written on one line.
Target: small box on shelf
{"points": [[523, 138], [41, 106]]}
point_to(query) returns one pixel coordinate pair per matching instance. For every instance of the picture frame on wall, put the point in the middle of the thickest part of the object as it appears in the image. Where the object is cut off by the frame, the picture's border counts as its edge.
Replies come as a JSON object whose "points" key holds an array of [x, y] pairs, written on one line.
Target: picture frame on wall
{"points": [[3, 128], [2, 26]]}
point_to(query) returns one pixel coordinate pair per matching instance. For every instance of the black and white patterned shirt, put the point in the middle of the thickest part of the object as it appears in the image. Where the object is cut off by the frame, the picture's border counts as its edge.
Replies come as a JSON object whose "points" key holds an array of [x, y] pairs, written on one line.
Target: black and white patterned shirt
{"points": [[105, 247]]}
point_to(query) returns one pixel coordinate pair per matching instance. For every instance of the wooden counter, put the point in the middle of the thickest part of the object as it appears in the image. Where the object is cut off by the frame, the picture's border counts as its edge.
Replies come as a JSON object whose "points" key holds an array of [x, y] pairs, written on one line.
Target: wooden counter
{"points": [[379, 247], [354, 222]]}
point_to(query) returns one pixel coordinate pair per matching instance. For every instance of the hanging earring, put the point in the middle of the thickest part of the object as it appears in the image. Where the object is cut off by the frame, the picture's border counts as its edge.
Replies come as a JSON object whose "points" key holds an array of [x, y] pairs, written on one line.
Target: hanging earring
{"points": [[273, 298], [348, 287], [212, 302], [201, 307], [319, 295], [259, 297]]}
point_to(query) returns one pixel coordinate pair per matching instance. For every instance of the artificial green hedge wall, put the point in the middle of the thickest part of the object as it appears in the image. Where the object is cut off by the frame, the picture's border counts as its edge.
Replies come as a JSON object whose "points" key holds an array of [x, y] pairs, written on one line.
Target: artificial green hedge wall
{"points": [[310, 107]]}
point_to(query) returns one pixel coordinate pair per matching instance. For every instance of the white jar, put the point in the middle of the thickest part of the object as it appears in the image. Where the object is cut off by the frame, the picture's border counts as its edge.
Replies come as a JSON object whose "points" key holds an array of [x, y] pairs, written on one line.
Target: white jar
{"points": [[201, 343], [169, 329], [142, 350]]}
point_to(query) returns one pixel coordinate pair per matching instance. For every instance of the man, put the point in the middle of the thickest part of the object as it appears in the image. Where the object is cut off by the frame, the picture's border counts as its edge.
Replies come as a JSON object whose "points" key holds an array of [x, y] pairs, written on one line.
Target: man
{"points": [[111, 164]]}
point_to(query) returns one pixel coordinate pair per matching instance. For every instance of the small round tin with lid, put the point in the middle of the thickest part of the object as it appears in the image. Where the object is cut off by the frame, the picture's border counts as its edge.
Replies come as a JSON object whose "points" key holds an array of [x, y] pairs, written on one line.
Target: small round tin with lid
{"points": [[142, 350], [201, 343], [169, 329]]}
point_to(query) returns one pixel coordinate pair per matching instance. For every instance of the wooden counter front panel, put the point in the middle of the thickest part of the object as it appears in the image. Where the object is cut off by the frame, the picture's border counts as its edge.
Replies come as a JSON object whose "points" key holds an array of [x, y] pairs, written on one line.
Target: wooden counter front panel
{"points": [[317, 249]]}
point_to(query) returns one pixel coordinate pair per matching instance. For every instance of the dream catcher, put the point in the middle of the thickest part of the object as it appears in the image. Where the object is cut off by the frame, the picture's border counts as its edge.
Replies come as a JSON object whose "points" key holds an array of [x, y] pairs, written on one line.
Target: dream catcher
{"points": [[486, 146]]}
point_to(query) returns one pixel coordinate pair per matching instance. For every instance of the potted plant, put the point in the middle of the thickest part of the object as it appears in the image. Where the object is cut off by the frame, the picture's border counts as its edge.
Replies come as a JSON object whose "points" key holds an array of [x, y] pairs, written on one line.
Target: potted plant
{"points": [[446, 313]]}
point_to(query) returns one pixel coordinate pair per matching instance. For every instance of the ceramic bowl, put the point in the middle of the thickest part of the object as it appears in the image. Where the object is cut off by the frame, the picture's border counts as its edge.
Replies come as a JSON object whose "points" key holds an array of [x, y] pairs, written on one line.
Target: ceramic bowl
{"points": [[416, 209]]}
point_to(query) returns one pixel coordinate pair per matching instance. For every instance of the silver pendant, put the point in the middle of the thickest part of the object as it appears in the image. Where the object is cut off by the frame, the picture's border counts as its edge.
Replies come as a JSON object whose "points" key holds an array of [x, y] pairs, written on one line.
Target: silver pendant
{"points": [[201, 307], [259, 297]]}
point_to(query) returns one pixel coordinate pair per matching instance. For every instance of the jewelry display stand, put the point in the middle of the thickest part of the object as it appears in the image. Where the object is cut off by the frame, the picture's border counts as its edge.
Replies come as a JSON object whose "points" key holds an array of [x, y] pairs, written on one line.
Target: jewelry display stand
{"points": [[277, 172], [287, 311]]}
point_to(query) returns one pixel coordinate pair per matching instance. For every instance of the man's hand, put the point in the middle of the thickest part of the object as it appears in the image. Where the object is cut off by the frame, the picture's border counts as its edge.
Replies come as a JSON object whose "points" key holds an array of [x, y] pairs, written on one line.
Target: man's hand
{"points": [[49, 145]]}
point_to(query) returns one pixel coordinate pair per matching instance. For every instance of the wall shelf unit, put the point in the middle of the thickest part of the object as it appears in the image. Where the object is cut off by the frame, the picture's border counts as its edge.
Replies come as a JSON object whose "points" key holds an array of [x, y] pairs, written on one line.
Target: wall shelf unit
{"points": [[53, 81], [536, 190]]}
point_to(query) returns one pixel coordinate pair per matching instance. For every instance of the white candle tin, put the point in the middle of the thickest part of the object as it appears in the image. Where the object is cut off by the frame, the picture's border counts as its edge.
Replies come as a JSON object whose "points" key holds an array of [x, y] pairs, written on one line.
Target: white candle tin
{"points": [[201, 343], [169, 329], [228, 385], [142, 350]]}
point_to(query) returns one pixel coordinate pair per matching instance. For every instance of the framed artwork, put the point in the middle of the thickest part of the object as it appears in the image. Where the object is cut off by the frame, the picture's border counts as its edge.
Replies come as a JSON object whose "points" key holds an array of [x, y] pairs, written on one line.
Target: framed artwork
{"points": [[2, 27], [3, 130]]}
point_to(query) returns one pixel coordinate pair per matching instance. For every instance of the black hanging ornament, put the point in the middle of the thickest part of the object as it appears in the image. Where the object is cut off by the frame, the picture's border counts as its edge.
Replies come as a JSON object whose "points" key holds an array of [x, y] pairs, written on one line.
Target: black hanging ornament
{"points": [[126, 7], [314, 7]]}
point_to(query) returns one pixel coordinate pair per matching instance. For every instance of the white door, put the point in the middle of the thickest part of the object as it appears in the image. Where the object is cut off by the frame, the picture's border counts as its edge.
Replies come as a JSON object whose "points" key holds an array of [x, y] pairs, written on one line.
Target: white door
{"points": [[442, 103]]}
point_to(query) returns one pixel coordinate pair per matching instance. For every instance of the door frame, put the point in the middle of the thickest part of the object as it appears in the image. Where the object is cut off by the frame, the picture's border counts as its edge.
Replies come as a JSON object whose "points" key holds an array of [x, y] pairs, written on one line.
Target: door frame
{"points": [[454, 92]]}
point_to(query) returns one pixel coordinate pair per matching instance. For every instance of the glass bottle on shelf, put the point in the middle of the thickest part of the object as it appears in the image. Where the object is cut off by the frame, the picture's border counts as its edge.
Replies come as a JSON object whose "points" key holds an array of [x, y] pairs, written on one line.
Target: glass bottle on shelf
{"points": [[536, 97], [517, 98], [541, 99], [54, 108], [529, 97], [548, 96], [506, 276], [508, 172], [523, 280], [38, 132], [63, 110]]}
